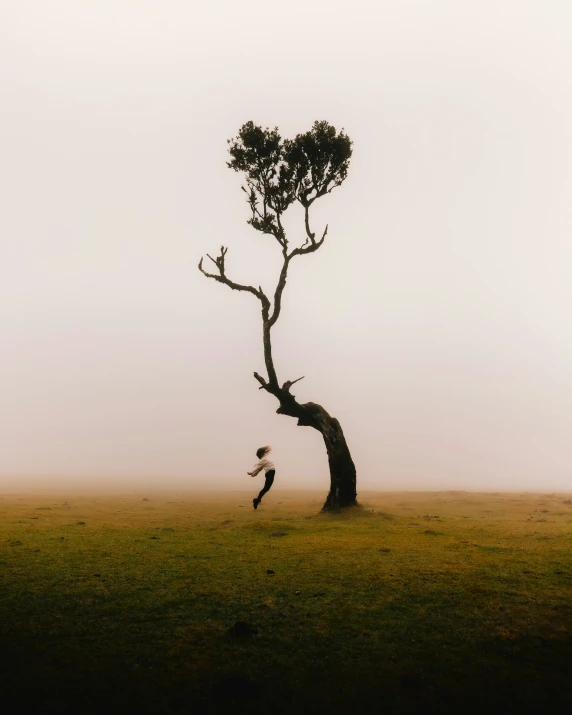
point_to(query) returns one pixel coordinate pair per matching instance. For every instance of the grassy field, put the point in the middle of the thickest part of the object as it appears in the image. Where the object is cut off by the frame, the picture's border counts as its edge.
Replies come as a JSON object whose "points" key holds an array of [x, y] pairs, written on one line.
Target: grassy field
{"points": [[417, 602]]}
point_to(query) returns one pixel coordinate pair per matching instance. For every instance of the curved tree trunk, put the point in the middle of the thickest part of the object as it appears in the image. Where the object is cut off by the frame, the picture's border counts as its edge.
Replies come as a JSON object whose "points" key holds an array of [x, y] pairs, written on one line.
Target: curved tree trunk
{"points": [[342, 469]]}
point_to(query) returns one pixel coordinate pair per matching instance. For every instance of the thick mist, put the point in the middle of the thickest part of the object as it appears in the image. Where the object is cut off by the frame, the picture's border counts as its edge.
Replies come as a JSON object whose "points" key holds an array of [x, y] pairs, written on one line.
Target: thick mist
{"points": [[434, 322]]}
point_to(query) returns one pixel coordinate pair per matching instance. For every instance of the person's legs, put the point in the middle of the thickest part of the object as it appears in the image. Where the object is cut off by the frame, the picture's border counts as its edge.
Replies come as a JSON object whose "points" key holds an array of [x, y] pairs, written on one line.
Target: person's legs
{"points": [[267, 484]]}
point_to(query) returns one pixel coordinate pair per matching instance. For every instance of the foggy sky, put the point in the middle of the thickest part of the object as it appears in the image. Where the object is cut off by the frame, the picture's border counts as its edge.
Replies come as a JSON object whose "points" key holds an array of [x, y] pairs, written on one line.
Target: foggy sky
{"points": [[435, 320]]}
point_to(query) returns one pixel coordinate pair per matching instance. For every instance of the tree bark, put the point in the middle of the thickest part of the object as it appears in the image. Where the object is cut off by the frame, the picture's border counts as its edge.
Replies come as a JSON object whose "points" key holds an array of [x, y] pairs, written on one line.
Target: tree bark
{"points": [[342, 469]]}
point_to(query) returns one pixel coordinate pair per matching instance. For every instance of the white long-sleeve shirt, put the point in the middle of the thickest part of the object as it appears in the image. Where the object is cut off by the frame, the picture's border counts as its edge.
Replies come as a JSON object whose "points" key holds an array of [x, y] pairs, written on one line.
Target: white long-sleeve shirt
{"points": [[265, 464]]}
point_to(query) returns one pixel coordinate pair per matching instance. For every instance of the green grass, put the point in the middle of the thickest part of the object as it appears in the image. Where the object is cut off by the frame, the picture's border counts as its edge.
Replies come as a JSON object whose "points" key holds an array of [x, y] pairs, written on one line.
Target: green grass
{"points": [[417, 602]]}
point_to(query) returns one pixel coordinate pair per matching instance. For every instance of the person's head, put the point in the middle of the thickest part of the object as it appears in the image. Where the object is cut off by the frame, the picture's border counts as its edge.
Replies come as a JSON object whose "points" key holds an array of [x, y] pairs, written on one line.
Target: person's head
{"points": [[262, 451]]}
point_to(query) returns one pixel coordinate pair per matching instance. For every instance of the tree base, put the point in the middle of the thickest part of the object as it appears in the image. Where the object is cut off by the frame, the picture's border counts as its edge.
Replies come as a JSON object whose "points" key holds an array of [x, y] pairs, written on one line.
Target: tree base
{"points": [[337, 504]]}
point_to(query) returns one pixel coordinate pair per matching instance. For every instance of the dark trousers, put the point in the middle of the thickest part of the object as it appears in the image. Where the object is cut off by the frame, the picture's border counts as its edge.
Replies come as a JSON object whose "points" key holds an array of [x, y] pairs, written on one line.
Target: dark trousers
{"points": [[268, 483]]}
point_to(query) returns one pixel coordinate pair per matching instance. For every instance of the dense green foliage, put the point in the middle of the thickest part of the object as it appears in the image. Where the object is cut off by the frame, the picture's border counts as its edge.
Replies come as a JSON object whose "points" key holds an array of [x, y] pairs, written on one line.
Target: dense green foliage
{"points": [[279, 172], [414, 603]]}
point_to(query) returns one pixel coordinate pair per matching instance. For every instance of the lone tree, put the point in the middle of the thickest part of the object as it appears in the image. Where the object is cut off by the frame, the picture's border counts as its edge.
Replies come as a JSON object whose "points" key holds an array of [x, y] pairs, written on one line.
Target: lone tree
{"points": [[279, 173]]}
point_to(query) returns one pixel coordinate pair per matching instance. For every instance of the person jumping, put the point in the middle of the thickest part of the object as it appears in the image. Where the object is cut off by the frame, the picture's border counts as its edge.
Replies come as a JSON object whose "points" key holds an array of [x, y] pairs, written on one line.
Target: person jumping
{"points": [[268, 466]]}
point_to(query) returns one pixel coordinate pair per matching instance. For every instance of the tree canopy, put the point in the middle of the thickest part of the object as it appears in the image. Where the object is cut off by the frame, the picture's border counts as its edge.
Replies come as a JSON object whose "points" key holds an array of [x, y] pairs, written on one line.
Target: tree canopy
{"points": [[279, 171]]}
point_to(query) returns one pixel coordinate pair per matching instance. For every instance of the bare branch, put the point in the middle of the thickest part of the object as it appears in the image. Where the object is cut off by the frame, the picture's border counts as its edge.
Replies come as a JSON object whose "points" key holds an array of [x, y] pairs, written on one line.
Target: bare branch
{"points": [[288, 384], [222, 278], [311, 236], [262, 381], [283, 392], [284, 241], [314, 245], [309, 246], [279, 290]]}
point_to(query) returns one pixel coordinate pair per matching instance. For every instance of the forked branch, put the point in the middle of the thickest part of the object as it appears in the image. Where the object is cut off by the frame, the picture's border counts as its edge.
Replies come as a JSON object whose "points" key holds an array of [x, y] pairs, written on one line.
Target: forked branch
{"points": [[285, 387], [310, 244], [221, 277]]}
